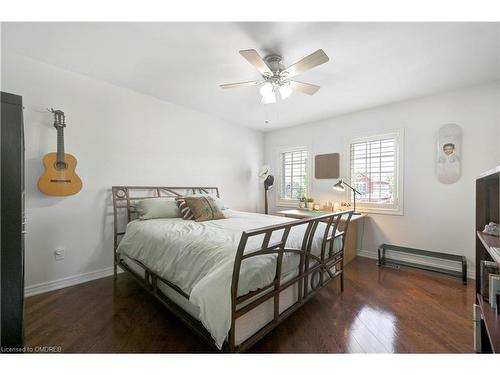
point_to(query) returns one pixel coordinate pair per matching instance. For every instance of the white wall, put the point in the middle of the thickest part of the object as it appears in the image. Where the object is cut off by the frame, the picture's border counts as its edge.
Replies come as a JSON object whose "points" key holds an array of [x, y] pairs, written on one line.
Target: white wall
{"points": [[119, 137], [436, 216]]}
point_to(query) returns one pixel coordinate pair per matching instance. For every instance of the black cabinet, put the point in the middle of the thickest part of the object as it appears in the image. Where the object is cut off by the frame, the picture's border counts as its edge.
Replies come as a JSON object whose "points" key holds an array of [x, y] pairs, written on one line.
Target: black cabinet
{"points": [[12, 224]]}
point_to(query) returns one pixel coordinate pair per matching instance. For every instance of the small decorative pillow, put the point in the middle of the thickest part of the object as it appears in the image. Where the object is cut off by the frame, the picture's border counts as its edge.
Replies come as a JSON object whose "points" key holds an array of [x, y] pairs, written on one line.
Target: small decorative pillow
{"points": [[204, 208], [218, 202], [157, 208], [186, 213]]}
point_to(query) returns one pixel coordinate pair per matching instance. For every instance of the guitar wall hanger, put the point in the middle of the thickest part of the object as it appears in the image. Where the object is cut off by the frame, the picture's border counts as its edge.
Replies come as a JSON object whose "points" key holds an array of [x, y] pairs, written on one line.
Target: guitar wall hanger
{"points": [[59, 178]]}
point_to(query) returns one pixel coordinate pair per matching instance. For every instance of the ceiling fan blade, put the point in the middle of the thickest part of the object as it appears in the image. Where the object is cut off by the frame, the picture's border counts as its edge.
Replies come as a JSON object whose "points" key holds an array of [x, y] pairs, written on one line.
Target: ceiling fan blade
{"points": [[240, 84], [314, 59], [254, 58], [306, 88]]}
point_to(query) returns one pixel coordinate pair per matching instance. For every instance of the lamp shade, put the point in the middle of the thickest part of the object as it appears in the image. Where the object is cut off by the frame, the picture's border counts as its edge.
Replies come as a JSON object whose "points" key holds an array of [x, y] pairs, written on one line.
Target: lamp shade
{"points": [[339, 186]]}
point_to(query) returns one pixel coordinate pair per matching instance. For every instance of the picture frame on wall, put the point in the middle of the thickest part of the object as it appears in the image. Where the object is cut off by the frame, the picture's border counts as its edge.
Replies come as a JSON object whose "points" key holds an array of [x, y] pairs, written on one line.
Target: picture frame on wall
{"points": [[449, 153]]}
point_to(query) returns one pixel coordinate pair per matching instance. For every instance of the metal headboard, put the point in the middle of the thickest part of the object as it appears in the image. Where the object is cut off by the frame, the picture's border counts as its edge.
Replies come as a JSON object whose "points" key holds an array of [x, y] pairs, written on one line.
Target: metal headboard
{"points": [[126, 197]]}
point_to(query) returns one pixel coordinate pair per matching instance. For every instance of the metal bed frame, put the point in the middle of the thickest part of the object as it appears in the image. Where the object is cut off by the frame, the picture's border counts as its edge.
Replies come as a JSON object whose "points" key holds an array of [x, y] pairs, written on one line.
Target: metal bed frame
{"points": [[313, 274]]}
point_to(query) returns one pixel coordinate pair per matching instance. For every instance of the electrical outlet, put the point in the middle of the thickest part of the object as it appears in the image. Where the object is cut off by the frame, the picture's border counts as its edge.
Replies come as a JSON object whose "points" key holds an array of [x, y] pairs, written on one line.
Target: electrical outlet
{"points": [[59, 254]]}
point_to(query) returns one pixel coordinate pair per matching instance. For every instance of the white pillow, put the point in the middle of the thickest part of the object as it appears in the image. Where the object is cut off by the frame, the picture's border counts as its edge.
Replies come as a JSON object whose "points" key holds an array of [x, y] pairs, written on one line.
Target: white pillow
{"points": [[158, 208]]}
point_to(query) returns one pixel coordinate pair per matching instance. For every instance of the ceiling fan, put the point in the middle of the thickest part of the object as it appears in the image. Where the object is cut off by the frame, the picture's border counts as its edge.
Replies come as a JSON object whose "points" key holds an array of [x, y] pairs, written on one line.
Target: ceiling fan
{"points": [[276, 80]]}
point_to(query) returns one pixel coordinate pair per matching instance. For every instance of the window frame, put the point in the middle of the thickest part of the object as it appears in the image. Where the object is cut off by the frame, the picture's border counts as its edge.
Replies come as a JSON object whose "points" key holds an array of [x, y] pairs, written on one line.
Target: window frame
{"points": [[285, 202], [377, 208]]}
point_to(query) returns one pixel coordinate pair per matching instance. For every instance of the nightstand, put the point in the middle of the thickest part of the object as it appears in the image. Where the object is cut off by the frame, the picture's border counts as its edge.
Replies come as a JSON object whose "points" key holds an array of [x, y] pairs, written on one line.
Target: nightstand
{"points": [[351, 240]]}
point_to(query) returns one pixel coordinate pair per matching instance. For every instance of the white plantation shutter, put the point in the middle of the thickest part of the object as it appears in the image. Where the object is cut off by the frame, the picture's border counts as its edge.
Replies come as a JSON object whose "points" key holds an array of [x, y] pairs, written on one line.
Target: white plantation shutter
{"points": [[374, 171], [293, 179]]}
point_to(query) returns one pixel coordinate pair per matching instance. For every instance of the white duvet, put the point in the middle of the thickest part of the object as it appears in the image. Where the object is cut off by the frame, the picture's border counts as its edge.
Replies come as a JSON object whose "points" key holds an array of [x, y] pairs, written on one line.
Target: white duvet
{"points": [[199, 259]]}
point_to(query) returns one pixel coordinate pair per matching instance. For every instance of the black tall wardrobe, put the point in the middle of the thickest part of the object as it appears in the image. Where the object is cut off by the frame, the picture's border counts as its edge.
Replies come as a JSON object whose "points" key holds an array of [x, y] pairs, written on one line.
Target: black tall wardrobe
{"points": [[12, 223]]}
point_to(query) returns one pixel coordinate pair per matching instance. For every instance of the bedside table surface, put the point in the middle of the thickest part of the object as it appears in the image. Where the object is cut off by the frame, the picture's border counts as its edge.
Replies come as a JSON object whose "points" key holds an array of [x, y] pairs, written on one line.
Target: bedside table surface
{"points": [[301, 214]]}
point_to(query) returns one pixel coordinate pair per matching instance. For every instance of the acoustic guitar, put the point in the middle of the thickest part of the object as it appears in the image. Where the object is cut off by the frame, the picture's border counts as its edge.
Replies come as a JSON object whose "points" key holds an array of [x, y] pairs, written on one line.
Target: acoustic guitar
{"points": [[59, 177]]}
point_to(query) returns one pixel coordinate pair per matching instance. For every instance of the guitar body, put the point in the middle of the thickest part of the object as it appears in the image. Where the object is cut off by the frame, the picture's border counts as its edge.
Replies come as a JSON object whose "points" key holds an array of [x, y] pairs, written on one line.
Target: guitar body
{"points": [[59, 179]]}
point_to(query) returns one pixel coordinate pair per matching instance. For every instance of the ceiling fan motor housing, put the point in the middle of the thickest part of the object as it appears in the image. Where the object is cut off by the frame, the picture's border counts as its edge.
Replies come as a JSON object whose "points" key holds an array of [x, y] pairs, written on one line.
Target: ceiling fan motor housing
{"points": [[274, 62], [275, 65]]}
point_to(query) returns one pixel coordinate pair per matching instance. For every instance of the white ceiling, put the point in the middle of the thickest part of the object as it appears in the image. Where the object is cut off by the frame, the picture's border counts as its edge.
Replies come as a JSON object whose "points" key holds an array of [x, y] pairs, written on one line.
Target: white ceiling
{"points": [[370, 63]]}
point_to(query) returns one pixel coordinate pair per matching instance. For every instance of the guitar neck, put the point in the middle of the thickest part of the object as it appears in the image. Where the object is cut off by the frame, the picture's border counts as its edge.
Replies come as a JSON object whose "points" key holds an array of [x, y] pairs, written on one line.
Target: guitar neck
{"points": [[60, 145]]}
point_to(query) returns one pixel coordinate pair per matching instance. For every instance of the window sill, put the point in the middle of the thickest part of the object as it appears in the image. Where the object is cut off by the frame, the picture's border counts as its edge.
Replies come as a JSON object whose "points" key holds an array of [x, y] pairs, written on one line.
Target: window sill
{"points": [[287, 203]]}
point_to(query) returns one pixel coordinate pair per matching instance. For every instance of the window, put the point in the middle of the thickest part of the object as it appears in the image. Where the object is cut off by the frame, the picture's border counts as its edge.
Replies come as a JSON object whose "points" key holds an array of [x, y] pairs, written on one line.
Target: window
{"points": [[293, 175], [375, 165]]}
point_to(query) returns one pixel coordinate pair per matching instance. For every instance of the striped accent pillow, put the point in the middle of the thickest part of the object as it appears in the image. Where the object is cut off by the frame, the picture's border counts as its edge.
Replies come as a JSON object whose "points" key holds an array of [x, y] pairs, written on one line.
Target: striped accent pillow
{"points": [[186, 212], [204, 208]]}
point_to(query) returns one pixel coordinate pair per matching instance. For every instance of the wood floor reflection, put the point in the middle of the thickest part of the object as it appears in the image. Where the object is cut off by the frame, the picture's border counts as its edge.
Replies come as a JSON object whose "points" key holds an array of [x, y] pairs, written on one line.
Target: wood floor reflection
{"points": [[382, 310]]}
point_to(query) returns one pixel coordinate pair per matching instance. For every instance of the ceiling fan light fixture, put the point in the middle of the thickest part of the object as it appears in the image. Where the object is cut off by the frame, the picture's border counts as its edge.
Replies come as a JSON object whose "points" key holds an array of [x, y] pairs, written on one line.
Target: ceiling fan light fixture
{"points": [[266, 89], [268, 92], [269, 99], [276, 84], [285, 91]]}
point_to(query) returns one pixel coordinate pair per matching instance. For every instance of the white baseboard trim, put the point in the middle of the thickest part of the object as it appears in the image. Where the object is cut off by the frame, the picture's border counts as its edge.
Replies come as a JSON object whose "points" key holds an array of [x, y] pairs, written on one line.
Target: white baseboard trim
{"points": [[48, 286], [373, 254]]}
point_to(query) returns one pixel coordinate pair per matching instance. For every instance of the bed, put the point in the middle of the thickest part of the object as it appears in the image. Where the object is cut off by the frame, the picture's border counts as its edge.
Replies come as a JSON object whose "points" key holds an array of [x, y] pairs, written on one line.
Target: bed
{"points": [[230, 280]]}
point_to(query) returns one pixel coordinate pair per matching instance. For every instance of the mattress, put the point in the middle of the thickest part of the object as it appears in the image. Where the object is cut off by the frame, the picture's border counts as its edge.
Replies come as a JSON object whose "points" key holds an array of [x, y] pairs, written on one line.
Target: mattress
{"points": [[246, 325], [199, 258]]}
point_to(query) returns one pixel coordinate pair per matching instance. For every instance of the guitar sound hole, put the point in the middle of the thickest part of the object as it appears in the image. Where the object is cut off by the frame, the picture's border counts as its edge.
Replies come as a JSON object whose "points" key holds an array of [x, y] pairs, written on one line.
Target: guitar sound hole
{"points": [[60, 165]]}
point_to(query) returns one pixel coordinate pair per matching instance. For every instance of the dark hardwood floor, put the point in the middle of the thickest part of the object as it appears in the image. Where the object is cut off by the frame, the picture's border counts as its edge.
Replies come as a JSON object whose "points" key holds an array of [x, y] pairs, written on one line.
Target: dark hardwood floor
{"points": [[381, 310]]}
